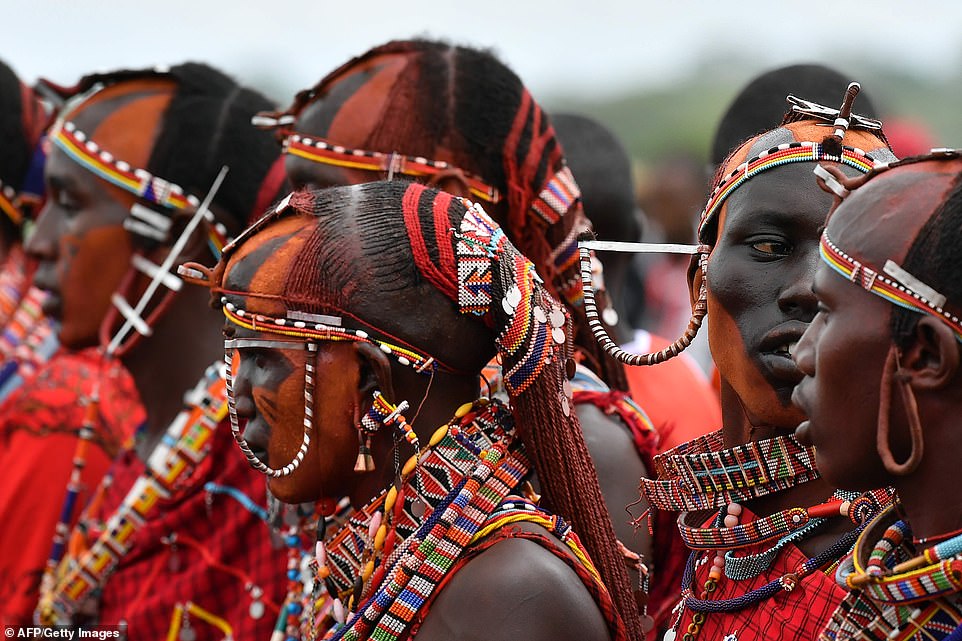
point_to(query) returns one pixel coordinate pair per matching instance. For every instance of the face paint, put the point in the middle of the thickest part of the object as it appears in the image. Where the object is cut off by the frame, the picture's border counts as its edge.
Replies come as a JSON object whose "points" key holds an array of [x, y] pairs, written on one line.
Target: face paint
{"points": [[82, 249], [759, 288]]}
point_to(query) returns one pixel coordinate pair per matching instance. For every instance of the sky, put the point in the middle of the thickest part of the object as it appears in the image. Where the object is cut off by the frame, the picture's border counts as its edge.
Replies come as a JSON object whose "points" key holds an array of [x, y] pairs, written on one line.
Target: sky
{"points": [[564, 47]]}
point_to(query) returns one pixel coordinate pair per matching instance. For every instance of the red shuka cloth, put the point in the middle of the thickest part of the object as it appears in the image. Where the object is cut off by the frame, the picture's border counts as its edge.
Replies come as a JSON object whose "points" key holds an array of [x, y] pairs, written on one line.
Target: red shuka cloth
{"points": [[151, 580], [39, 424], [799, 614]]}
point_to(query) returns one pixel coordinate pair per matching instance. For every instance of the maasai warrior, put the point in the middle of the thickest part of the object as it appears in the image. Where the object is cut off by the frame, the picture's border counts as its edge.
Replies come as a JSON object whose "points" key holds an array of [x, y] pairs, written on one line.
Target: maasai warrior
{"points": [[174, 536], [328, 350], [676, 395], [761, 524], [26, 338], [459, 119], [882, 389]]}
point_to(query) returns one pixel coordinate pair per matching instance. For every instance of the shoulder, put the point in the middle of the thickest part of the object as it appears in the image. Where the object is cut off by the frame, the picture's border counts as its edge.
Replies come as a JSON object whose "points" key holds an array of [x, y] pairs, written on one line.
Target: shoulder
{"points": [[514, 589]]}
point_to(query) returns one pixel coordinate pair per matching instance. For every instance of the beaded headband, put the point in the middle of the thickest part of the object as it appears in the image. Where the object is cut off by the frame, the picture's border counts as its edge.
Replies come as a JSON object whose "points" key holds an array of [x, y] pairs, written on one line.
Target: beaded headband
{"points": [[892, 283], [321, 151], [783, 154]]}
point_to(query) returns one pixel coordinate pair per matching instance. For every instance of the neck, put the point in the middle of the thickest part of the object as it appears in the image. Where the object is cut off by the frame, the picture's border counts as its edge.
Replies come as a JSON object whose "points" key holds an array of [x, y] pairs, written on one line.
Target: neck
{"points": [[738, 428], [447, 393], [185, 340]]}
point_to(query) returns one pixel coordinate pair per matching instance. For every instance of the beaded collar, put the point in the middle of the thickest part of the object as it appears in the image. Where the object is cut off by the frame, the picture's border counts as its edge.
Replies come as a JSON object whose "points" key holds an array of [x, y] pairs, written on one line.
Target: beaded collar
{"points": [[325, 152], [700, 475], [395, 552], [186, 443], [892, 283]]}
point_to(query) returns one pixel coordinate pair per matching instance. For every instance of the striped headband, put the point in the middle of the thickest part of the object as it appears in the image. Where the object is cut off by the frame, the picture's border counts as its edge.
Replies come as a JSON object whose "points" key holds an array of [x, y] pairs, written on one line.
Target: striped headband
{"points": [[892, 283], [322, 151], [777, 156], [139, 182]]}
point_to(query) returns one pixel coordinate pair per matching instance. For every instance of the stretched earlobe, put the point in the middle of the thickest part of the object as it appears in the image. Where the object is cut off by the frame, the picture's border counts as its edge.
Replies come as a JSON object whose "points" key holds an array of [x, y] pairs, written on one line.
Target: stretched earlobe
{"points": [[932, 360]]}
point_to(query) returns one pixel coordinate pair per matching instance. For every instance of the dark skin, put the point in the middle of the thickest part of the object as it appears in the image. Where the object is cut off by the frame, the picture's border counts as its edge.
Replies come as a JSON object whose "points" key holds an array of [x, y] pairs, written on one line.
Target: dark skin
{"points": [[852, 334], [760, 302], [512, 590], [618, 463], [84, 252]]}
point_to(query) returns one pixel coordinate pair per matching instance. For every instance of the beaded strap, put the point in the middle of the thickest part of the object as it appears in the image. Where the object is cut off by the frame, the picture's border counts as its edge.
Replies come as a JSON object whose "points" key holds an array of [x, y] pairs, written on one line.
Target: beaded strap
{"points": [[183, 448]]}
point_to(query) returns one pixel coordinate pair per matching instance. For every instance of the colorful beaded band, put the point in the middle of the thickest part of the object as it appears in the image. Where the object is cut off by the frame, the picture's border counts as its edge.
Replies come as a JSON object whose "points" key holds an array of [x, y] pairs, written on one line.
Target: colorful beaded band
{"points": [[317, 327], [321, 151], [700, 475], [185, 444], [78, 146], [488, 263], [892, 283], [775, 157]]}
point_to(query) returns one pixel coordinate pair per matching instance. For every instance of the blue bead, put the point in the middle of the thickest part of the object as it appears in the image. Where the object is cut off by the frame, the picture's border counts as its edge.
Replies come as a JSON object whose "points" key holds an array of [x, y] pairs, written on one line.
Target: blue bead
{"points": [[295, 608], [293, 574], [291, 540]]}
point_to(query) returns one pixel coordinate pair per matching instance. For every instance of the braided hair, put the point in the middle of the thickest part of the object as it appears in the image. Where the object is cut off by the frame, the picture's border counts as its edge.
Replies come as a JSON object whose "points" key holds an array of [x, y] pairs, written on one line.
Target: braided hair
{"points": [[375, 242], [469, 103], [205, 126]]}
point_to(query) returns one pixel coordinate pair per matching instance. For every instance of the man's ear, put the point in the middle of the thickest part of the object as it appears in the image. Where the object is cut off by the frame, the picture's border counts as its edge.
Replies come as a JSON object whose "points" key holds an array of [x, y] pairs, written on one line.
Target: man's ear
{"points": [[931, 361], [375, 373]]}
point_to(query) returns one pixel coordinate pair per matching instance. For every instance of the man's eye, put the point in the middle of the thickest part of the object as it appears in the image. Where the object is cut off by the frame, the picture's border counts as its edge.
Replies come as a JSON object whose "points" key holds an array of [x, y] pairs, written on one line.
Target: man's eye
{"points": [[771, 247]]}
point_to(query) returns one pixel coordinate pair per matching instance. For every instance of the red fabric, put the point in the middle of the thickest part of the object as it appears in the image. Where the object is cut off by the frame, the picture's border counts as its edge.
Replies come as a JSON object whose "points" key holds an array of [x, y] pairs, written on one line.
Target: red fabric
{"points": [[679, 400], [151, 579], [39, 424], [799, 614]]}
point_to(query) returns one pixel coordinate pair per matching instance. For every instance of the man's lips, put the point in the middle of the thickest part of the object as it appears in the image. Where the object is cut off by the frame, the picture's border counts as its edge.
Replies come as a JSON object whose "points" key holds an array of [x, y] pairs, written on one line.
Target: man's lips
{"points": [[256, 435], [777, 349]]}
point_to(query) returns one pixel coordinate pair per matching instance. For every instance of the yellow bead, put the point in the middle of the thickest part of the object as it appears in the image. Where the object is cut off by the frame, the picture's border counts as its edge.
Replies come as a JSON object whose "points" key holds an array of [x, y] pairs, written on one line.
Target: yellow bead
{"points": [[379, 537], [464, 409], [409, 466], [390, 499], [368, 571], [439, 434]]}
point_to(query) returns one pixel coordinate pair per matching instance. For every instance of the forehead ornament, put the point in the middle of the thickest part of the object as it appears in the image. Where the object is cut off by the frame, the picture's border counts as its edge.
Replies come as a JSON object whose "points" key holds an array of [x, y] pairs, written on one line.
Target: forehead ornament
{"points": [[893, 283]]}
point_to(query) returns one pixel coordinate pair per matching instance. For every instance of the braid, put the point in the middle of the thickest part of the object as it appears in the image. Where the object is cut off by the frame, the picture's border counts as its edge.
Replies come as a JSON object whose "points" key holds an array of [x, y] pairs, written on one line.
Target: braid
{"points": [[933, 258]]}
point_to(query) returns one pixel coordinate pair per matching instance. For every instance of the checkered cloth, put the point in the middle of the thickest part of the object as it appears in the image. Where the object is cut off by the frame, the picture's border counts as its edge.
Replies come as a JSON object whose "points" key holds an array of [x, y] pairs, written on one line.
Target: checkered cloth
{"points": [[150, 580]]}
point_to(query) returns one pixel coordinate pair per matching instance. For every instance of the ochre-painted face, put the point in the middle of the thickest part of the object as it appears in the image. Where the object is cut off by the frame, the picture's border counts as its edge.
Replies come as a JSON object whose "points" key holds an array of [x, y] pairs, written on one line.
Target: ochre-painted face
{"points": [[269, 383], [759, 288], [79, 241], [842, 354]]}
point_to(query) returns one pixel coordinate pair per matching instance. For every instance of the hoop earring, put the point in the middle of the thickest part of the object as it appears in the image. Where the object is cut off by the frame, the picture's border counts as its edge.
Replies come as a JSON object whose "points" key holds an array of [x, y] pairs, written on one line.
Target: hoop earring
{"points": [[892, 370]]}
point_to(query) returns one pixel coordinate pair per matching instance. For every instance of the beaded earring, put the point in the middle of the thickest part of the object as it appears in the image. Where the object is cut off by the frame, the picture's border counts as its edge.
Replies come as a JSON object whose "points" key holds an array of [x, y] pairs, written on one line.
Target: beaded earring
{"points": [[382, 412]]}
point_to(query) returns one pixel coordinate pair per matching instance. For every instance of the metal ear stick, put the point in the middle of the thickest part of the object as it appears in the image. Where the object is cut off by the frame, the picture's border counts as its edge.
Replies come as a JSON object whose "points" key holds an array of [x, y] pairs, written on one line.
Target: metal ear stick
{"points": [[591, 308], [133, 315]]}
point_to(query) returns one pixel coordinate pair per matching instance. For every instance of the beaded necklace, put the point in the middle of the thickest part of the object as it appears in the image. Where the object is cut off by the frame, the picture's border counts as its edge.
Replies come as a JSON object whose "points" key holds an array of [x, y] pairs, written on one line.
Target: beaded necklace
{"points": [[897, 593], [699, 475], [388, 560], [27, 342], [184, 445]]}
